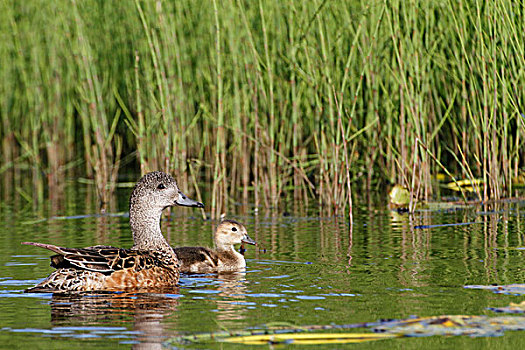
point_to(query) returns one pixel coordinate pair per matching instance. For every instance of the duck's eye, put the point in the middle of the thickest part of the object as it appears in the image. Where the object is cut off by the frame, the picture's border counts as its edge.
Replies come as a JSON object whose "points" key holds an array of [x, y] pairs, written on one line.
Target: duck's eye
{"points": [[161, 186], [234, 229]]}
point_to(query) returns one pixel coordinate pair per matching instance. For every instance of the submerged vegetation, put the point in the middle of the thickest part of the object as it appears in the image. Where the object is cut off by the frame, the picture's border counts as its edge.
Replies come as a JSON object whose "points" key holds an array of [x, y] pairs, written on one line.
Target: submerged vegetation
{"points": [[262, 98]]}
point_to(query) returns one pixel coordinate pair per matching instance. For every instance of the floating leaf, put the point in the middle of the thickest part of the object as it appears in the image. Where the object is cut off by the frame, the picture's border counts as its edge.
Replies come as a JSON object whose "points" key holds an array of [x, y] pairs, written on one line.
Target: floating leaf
{"points": [[444, 325], [518, 288], [513, 308], [474, 326], [310, 339], [399, 196], [466, 185]]}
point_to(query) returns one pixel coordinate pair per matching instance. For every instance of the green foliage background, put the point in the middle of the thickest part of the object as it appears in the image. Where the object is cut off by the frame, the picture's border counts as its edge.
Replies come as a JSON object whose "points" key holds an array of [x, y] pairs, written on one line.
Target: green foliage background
{"points": [[265, 96]]}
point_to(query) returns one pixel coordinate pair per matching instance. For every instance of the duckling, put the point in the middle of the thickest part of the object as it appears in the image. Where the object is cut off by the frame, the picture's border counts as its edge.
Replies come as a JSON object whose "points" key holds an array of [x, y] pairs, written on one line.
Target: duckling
{"points": [[224, 258], [149, 264]]}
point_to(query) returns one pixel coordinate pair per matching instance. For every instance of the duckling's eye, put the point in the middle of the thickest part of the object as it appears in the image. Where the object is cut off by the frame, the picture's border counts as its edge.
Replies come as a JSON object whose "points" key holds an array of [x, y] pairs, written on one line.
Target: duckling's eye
{"points": [[234, 229], [161, 186]]}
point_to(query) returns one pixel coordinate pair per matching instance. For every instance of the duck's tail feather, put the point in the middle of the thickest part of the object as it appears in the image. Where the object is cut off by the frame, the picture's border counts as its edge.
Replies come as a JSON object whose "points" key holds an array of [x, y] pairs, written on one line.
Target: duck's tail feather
{"points": [[54, 248]]}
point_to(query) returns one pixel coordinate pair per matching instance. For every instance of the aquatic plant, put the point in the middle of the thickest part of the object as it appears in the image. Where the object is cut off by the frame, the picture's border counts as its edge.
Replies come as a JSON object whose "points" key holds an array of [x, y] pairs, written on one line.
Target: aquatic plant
{"points": [[266, 98]]}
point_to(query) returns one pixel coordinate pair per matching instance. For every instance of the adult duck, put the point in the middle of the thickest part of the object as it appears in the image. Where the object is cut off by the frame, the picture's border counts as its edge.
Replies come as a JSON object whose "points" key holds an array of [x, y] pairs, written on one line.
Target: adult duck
{"points": [[224, 258], [149, 264]]}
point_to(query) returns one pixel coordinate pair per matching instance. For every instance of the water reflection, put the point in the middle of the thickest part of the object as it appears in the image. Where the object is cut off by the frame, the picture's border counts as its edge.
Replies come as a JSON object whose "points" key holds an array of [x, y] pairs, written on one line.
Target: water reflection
{"points": [[232, 288], [145, 311], [147, 315]]}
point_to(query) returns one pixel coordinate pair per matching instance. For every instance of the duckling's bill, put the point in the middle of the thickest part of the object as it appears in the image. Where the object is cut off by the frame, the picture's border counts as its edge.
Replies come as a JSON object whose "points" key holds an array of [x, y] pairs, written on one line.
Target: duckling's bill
{"points": [[246, 239]]}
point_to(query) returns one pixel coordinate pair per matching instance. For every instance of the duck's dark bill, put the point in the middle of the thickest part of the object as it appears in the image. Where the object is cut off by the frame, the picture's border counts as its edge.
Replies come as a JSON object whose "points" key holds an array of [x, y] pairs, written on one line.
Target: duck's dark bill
{"points": [[246, 239], [188, 202]]}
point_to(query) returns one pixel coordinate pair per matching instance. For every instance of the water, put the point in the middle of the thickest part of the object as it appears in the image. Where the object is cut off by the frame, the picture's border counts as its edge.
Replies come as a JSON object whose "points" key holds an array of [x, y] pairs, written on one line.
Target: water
{"points": [[309, 270]]}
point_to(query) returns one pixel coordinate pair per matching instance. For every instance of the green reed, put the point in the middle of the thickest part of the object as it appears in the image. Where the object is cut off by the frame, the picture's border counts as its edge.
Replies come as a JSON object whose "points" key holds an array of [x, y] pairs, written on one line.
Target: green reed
{"points": [[314, 99]]}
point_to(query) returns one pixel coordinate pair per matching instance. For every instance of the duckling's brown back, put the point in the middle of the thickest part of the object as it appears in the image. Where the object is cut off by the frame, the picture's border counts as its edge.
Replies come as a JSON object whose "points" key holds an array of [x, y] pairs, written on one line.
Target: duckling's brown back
{"points": [[197, 259]]}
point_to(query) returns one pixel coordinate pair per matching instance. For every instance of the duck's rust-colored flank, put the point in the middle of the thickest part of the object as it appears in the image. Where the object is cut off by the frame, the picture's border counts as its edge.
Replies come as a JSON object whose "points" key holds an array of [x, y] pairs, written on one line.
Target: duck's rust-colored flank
{"points": [[150, 264], [224, 258]]}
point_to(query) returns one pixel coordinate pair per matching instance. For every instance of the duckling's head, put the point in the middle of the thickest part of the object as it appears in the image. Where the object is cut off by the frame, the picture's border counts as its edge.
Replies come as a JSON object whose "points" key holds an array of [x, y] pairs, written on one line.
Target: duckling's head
{"points": [[230, 232], [157, 191]]}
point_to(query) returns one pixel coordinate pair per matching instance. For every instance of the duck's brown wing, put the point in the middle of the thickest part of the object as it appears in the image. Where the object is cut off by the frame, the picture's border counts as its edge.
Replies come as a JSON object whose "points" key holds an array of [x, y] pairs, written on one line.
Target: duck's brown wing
{"points": [[103, 259]]}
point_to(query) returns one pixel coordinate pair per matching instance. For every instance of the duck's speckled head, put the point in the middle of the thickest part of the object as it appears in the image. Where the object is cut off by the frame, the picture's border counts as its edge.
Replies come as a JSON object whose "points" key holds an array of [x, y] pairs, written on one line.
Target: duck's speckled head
{"points": [[159, 190], [231, 232]]}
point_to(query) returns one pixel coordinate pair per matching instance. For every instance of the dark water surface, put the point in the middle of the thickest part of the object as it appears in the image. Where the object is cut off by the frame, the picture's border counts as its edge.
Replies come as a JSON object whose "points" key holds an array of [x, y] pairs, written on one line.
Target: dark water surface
{"points": [[313, 272]]}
